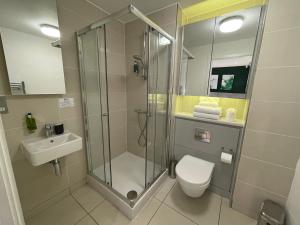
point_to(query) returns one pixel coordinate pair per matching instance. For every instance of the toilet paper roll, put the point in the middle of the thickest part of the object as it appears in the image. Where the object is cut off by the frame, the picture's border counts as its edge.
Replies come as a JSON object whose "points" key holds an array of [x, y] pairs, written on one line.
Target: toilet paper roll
{"points": [[226, 158]]}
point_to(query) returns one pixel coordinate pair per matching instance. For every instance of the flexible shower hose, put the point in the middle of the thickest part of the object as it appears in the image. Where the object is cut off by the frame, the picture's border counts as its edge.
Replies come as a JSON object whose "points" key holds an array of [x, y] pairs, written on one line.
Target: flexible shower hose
{"points": [[142, 137]]}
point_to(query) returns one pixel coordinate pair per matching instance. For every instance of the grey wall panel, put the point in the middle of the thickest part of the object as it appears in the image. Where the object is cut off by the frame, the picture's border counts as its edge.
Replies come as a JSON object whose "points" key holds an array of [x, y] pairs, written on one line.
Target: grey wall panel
{"points": [[222, 136]]}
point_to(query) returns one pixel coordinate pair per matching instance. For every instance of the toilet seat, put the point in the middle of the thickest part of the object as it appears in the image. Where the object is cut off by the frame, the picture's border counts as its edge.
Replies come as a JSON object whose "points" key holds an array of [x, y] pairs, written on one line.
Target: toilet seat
{"points": [[194, 170]]}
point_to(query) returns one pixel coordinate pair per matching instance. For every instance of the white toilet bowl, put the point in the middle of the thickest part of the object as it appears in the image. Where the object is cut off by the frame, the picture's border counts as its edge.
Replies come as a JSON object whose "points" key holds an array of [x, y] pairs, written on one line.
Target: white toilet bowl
{"points": [[194, 175]]}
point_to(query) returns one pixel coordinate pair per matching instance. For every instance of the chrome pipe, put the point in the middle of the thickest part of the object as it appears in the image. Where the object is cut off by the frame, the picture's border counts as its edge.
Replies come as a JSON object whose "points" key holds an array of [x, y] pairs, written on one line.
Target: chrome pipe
{"points": [[56, 165]]}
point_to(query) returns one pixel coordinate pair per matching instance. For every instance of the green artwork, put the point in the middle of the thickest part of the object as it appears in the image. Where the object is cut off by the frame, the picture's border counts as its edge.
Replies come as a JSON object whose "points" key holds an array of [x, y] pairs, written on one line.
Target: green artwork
{"points": [[227, 82]]}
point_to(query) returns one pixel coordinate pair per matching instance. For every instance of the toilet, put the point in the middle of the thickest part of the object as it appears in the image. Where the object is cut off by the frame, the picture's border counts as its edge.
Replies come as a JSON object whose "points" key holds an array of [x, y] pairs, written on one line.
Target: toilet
{"points": [[194, 175]]}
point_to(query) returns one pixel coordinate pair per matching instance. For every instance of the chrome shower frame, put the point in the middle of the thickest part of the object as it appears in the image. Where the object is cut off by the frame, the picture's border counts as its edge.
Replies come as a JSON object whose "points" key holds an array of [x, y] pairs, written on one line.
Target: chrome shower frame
{"points": [[101, 23], [130, 9]]}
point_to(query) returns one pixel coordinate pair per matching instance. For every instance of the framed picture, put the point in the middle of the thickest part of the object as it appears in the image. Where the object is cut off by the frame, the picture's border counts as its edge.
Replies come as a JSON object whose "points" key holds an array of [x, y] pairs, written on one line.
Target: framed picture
{"points": [[229, 79]]}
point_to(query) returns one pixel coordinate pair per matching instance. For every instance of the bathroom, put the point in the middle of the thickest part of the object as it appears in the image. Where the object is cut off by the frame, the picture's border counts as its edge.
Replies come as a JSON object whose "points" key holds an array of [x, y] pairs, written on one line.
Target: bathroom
{"points": [[142, 123]]}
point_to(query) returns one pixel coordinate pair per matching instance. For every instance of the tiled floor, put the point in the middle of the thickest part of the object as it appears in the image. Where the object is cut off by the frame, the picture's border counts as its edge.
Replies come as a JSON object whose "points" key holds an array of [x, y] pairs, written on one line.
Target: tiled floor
{"points": [[168, 206]]}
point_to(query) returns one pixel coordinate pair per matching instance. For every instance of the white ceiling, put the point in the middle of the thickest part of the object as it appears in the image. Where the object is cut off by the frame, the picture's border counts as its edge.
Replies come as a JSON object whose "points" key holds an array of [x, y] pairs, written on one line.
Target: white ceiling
{"points": [[146, 6], [27, 15], [201, 33]]}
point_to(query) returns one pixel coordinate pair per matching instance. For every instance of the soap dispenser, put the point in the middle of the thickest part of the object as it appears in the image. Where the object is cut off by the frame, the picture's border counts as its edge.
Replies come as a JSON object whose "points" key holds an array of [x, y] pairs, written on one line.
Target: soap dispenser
{"points": [[30, 122]]}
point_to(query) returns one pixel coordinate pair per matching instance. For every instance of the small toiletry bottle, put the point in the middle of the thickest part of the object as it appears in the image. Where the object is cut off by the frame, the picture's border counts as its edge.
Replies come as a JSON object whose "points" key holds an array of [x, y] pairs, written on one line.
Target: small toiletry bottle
{"points": [[30, 122], [59, 128]]}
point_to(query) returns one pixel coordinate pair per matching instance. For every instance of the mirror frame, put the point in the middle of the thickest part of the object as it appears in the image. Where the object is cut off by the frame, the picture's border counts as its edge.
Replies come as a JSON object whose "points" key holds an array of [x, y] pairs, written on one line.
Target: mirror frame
{"points": [[255, 56]]}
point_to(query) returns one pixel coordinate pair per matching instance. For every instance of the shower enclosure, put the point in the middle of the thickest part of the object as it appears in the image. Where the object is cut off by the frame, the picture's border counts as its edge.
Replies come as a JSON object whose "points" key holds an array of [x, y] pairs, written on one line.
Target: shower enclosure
{"points": [[125, 70]]}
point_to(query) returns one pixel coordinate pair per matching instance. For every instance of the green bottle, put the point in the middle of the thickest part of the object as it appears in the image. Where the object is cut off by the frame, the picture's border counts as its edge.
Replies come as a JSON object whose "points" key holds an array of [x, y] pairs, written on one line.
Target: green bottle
{"points": [[30, 122]]}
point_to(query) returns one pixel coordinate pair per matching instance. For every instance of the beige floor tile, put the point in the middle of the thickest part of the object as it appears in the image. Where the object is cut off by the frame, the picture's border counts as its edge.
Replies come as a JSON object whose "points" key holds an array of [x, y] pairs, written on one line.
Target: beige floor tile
{"points": [[66, 212], [87, 197], [146, 213], [229, 216], [204, 210], [87, 221], [107, 214], [166, 216], [165, 189]]}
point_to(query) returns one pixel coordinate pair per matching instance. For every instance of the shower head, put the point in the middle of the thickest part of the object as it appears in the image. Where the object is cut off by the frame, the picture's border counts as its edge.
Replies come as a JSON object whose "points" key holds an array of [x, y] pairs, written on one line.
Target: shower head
{"points": [[139, 61], [138, 58]]}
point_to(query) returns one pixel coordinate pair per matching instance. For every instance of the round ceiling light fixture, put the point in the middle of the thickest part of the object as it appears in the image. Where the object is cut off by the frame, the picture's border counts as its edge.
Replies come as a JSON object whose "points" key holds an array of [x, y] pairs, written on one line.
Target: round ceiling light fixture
{"points": [[50, 30], [231, 24]]}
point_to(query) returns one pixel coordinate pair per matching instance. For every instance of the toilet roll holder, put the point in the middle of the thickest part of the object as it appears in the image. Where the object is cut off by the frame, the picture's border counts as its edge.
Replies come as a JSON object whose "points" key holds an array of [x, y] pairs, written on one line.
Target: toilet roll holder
{"points": [[228, 151]]}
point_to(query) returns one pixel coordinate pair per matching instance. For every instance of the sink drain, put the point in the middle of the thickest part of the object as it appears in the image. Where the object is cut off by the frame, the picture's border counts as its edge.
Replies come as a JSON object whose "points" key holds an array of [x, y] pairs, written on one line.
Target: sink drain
{"points": [[131, 196]]}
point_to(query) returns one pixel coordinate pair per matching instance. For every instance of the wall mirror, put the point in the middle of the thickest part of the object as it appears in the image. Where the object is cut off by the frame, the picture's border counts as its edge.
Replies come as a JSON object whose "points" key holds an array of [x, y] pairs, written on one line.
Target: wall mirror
{"points": [[30, 47], [217, 54]]}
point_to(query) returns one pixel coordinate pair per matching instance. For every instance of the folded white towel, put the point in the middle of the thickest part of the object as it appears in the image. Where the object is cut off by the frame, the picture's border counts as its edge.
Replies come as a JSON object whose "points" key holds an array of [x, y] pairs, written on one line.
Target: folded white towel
{"points": [[209, 104], [207, 109], [206, 115]]}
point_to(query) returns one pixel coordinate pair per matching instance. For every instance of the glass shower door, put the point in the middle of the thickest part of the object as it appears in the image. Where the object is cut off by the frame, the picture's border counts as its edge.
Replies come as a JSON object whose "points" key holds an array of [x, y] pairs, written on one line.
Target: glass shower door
{"points": [[159, 57], [95, 104]]}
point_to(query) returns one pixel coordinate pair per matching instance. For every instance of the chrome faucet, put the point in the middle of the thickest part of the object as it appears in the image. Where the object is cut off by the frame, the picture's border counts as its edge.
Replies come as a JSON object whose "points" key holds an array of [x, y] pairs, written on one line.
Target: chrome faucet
{"points": [[49, 129]]}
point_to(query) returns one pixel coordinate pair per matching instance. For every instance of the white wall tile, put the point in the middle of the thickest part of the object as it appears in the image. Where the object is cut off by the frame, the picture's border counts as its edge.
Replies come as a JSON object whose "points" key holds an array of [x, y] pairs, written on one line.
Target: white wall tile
{"points": [[282, 14], [280, 48], [277, 84], [273, 178], [271, 144], [276, 117], [270, 147]]}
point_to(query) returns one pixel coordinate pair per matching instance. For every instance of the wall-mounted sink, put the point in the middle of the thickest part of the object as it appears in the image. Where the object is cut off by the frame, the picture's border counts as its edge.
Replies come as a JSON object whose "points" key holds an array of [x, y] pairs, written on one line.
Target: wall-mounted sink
{"points": [[42, 150]]}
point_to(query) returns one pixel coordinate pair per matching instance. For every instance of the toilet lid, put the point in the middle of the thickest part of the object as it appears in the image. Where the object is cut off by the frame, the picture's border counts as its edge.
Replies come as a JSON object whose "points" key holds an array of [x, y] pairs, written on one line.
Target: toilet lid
{"points": [[194, 170]]}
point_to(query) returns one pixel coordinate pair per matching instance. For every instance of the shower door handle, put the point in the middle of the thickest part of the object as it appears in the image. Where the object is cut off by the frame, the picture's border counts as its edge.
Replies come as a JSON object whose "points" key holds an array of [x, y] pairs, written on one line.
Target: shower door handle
{"points": [[104, 114]]}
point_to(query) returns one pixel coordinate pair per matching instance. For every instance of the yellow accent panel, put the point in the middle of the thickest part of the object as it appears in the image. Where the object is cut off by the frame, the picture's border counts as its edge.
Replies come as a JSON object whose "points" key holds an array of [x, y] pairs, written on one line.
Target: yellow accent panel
{"points": [[212, 8], [185, 104]]}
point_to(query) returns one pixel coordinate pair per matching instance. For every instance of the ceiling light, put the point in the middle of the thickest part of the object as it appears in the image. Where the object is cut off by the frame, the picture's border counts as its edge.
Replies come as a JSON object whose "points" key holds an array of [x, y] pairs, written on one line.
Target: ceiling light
{"points": [[49, 30], [164, 41], [231, 24]]}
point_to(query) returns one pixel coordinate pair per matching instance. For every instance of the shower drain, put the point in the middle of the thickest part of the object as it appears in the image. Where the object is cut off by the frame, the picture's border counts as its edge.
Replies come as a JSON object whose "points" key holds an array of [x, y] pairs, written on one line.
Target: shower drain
{"points": [[131, 196]]}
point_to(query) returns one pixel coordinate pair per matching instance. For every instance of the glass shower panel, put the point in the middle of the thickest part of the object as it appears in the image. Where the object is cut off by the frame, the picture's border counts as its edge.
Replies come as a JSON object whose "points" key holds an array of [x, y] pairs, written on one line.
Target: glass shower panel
{"points": [[158, 77], [93, 66], [164, 56], [151, 89]]}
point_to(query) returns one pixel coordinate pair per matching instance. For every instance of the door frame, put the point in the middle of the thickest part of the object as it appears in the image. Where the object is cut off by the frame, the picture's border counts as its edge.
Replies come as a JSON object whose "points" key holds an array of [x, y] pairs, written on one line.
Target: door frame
{"points": [[10, 207]]}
